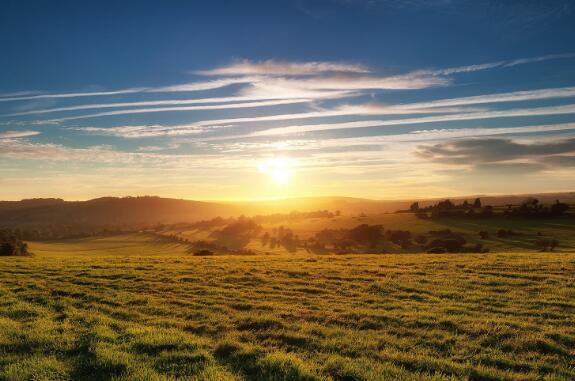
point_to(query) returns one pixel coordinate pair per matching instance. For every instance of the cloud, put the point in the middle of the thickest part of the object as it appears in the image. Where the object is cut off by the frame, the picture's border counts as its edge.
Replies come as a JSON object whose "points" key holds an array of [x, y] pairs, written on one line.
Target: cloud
{"points": [[438, 106], [187, 108], [263, 78], [523, 61], [73, 95], [201, 86], [143, 131], [515, 96], [274, 67], [26, 150], [17, 134], [205, 125], [172, 102], [497, 154], [498, 64], [295, 129], [377, 141], [170, 146]]}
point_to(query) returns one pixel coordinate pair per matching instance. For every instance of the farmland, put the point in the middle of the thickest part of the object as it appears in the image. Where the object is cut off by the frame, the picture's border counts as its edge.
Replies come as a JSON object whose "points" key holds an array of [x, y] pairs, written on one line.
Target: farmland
{"points": [[128, 307]]}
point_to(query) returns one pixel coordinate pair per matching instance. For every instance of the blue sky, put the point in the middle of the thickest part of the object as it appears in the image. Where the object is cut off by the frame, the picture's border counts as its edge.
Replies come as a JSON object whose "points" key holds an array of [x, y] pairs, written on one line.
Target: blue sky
{"points": [[249, 100]]}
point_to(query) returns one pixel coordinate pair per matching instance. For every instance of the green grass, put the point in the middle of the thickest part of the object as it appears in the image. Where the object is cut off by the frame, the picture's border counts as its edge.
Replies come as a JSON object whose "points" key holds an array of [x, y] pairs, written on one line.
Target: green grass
{"points": [[114, 308]]}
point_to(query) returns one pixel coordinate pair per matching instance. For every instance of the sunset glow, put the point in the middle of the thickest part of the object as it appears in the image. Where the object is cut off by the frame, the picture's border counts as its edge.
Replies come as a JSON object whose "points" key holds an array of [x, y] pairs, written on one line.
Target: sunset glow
{"points": [[278, 169], [365, 110]]}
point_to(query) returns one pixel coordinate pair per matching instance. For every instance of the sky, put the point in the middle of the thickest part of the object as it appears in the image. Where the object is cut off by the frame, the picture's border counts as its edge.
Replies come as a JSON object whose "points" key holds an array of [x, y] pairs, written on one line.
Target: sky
{"points": [[230, 100]]}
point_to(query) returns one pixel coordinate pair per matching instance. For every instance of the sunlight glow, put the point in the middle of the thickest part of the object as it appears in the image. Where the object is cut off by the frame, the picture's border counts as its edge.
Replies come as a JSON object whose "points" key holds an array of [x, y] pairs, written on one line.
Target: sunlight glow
{"points": [[279, 169]]}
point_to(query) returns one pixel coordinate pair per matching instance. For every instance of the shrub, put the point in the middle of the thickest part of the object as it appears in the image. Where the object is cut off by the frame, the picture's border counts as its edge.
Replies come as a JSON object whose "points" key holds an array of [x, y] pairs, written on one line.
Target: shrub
{"points": [[399, 237], [13, 247], [546, 244], [203, 253], [421, 239], [502, 233]]}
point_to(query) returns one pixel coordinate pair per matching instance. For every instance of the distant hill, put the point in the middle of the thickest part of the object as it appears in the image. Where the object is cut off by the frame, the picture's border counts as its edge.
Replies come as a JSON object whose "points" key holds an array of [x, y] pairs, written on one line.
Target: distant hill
{"points": [[147, 210], [110, 211]]}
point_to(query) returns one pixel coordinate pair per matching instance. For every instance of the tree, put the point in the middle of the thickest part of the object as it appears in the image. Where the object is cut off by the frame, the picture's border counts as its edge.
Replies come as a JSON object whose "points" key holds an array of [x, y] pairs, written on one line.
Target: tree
{"points": [[477, 203], [414, 207], [559, 208], [530, 202], [369, 235], [399, 237], [7, 249]]}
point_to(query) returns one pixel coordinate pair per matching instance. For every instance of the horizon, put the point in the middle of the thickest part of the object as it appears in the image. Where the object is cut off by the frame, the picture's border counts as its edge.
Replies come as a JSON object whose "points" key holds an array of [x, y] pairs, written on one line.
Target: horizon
{"points": [[380, 99], [438, 198]]}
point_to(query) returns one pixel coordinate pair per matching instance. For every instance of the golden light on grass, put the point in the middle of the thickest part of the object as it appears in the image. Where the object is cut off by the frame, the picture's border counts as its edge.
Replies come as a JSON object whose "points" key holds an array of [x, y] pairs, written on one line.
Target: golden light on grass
{"points": [[279, 169]]}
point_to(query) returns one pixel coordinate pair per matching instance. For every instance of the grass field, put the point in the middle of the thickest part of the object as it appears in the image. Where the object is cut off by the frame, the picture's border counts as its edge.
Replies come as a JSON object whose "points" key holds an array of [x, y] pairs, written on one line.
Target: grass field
{"points": [[125, 308]]}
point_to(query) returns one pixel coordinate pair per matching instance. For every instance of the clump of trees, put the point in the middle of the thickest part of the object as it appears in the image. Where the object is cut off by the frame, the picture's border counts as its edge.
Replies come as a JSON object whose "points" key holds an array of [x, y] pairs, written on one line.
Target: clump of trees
{"points": [[242, 227], [11, 245], [447, 241], [529, 208], [281, 237], [374, 239], [399, 237], [203, 253]]}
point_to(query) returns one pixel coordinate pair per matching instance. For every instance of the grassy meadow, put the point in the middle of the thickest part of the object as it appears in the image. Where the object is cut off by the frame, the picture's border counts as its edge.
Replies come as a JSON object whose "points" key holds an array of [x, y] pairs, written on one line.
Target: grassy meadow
{"points": [[129, 308]]}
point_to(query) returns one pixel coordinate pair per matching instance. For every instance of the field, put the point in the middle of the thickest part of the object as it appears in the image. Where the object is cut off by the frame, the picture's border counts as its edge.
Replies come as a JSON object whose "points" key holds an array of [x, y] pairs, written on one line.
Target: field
{"points": [[524, 237], [125, 307]]}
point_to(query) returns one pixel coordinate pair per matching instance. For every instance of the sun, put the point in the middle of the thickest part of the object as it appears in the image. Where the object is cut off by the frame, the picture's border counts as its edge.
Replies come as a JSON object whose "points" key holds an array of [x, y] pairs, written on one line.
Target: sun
{"points": [[279, 169]]}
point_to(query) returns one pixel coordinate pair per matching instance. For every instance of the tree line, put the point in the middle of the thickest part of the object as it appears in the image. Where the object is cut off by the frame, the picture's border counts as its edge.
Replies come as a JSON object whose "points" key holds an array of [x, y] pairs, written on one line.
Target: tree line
{"points": [[529, 208]]}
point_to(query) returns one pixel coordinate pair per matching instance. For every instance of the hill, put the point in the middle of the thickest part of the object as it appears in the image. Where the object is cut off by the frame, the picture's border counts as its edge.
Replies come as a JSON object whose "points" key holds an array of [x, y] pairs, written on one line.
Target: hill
{"points": [[114, 211], [111, 211]]}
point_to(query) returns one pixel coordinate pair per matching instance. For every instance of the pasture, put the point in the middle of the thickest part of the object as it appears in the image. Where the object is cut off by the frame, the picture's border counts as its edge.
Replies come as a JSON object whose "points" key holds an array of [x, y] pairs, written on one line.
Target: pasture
{"points": [[128, 308]]}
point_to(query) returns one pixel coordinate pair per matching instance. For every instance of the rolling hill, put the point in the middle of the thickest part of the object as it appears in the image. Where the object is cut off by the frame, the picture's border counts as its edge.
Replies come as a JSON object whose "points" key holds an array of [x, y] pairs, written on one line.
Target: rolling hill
{"points": [[151, 210]]}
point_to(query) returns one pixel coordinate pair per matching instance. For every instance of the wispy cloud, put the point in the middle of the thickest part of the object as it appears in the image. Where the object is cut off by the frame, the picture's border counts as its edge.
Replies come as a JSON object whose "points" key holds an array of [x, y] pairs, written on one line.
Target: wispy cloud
{"points": [[339, 143], [17, 134], [72, 95], [271, 76], [143, 131], [274, 67], [173, 102], [553, 110], [516, 96], [187, 108]]}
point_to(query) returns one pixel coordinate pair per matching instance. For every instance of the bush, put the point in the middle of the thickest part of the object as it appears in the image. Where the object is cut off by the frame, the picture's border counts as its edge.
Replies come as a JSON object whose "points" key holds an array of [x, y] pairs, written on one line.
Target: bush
{"points": [[399, 237], [483, 234], [437, 250], [502, 233], [546, 244], [450, 245], [13, 247], [421, 239], [203, 253]]}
